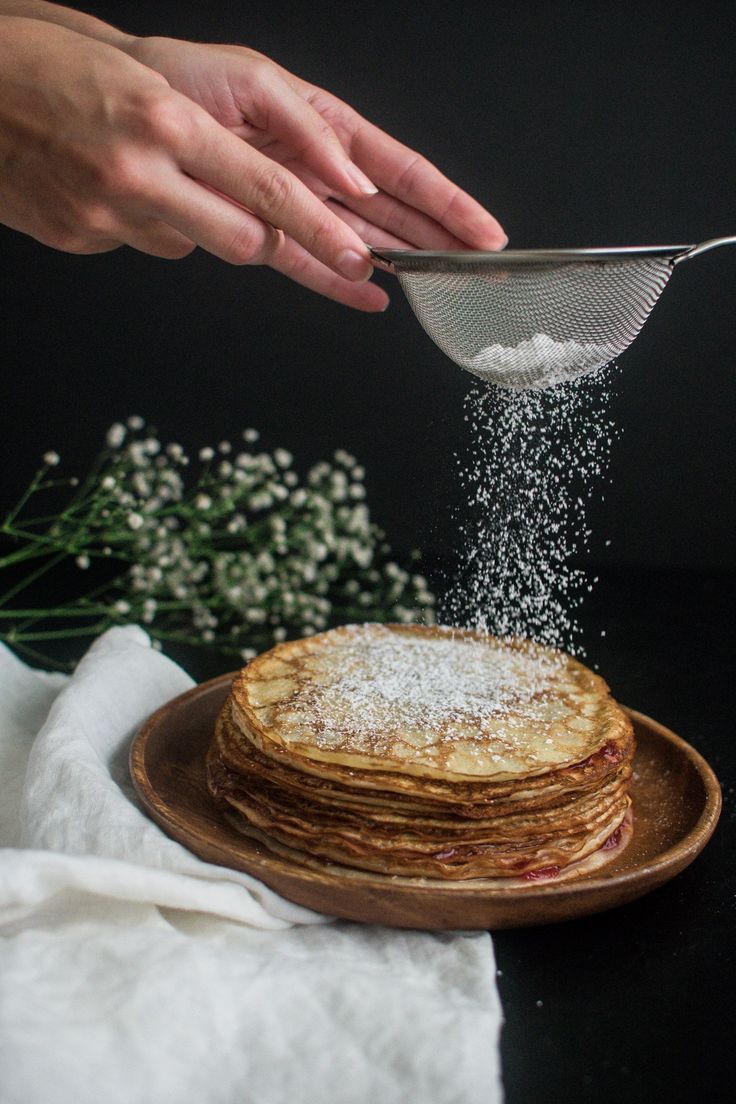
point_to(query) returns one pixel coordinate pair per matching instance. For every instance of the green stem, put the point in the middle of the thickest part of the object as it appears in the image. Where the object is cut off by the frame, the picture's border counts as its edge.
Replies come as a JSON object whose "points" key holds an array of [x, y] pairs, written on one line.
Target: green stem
{"points": [[46, 660], [28, 579], [54, 614], [40, 546], [44, 519], [22, 555], [55, 634], [30, 490], [89, 483], [180, 637], [81, 610]]}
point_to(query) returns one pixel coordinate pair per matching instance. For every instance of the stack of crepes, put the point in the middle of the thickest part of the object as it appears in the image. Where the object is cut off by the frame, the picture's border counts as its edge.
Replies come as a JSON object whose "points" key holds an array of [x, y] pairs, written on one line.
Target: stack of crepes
{"points": [[425, 752]]}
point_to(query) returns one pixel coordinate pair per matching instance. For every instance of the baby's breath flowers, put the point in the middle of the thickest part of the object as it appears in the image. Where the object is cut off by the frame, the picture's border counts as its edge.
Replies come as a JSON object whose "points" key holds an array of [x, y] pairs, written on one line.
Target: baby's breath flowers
{"points": [[244, 554]]}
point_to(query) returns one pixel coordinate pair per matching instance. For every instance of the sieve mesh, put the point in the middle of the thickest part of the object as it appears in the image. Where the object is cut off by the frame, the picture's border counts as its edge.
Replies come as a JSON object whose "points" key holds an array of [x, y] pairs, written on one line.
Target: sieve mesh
{"points": [[532, 325]]}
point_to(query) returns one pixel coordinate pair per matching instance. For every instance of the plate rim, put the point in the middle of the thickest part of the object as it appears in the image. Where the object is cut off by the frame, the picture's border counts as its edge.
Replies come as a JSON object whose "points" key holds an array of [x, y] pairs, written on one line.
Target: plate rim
{"points": [[680, 854]]}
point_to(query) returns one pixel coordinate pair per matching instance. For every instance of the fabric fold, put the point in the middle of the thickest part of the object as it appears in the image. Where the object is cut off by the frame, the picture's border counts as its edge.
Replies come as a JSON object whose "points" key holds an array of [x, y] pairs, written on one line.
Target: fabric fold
{"points": [[133, 971]]}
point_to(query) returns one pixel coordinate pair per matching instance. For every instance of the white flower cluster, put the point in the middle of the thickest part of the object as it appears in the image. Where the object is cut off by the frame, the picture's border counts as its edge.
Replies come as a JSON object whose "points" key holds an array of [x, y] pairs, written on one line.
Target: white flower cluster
{"points": [[250, 553]]}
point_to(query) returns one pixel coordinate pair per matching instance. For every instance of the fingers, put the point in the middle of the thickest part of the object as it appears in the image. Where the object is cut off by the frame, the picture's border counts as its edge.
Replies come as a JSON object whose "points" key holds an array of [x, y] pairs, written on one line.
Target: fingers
{"points": [[417, 183], [77, 245], [272, 194], [403, 221], [383, 220], [158, 240], [212, 222], [368, 231], [299, 265], [271, 104], [407, 176], [386, 221]]}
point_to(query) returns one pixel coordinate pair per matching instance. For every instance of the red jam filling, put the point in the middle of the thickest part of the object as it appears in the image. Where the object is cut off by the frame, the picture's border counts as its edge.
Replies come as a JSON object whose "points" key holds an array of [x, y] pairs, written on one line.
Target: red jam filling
{"points": [[613, 840], [542, 874]]}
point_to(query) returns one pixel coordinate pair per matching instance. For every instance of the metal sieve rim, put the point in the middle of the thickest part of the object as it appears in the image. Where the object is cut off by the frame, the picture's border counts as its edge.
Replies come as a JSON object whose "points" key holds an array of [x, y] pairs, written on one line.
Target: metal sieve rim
{"points": [[450, 260]]}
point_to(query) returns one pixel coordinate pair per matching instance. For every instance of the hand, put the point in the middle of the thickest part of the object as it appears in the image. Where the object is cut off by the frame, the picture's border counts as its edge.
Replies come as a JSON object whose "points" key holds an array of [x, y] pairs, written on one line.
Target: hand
{"points": [[164, 145], [311, 133], [96, 150]]}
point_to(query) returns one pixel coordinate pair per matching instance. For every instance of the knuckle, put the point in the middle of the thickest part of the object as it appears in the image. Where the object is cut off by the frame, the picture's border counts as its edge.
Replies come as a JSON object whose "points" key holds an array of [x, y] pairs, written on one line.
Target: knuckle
{"points": [[410, 174], [323, 240], [324, 131], [67, 239], [84, 226], [95, 220], [127, 176], [454, 200], [162, 119], [245, 246], [261, 72], [272, 191], [119, 175], [253, 243]]}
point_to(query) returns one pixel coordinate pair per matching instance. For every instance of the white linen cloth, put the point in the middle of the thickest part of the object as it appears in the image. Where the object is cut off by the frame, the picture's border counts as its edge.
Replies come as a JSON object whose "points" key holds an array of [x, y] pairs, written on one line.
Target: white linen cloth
{"points": [[131, 971]]}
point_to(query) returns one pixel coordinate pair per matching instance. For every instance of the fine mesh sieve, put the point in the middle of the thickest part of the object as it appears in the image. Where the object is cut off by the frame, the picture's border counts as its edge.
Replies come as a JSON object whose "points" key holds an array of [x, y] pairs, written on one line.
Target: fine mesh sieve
{"points": [[526, 319]]}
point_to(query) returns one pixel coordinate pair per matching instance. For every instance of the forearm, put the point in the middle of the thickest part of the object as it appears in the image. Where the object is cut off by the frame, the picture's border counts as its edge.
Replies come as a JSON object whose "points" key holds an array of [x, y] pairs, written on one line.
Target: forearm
{"points": [[66, 17]]}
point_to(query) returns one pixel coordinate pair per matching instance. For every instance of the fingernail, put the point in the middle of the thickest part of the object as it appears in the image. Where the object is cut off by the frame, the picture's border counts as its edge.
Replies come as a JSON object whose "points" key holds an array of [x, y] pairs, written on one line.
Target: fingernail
{"points": [[359, 179], [352, 265]]}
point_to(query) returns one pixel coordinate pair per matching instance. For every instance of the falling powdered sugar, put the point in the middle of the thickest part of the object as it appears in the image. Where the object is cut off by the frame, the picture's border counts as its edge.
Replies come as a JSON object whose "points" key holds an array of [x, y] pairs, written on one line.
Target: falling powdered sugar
{"points": [[534, 462]]}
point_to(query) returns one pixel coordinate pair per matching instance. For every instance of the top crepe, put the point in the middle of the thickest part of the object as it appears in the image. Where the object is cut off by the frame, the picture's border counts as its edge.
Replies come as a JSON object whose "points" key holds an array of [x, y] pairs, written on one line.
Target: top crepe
{"points": [[426, 702]]}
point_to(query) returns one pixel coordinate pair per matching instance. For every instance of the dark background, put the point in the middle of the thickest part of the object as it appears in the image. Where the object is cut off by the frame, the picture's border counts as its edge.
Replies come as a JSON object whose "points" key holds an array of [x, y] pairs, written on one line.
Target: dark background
{"points": [[577, 124]]}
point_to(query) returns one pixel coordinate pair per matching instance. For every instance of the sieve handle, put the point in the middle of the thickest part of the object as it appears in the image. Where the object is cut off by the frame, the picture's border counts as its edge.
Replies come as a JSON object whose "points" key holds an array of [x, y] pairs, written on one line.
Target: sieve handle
{"points": [[696, 250]]}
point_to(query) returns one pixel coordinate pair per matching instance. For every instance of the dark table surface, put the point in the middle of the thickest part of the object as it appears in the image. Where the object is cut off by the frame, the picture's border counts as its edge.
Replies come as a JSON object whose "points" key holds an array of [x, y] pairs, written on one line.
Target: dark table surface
{"points": [[636, 1004]]}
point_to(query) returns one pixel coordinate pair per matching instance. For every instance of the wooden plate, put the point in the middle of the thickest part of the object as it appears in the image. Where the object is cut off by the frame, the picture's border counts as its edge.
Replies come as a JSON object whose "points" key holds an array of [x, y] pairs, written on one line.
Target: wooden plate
{"points": [[677, 801]]}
